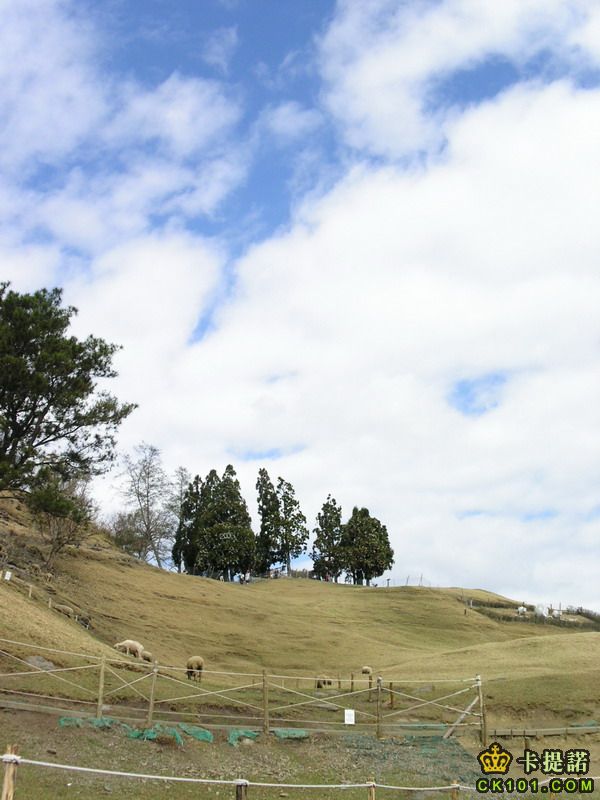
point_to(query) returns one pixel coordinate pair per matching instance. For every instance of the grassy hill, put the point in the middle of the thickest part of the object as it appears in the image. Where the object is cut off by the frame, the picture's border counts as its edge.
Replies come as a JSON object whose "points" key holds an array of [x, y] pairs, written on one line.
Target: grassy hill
{"points": [[299, 627]]}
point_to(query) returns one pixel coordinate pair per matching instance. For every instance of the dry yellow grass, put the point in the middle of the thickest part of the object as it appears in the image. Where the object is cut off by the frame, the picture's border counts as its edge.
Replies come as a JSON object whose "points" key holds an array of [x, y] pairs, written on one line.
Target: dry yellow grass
{"points": [[306, 627]]}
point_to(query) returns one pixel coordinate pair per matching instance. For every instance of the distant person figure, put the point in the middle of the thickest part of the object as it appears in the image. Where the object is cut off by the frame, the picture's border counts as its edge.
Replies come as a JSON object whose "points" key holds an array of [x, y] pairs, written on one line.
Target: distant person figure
{"points": [[247, 577]]}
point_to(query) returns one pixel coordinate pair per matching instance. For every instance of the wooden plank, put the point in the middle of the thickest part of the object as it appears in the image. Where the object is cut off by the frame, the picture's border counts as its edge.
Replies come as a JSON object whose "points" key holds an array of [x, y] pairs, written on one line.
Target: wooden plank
{"points": [[463, 714]]}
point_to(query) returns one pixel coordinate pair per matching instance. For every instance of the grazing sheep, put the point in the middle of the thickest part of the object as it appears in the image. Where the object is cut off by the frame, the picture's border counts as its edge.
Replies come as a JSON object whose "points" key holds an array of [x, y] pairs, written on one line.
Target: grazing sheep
{"points": [[194, 667], [66, 610], [146, 656], [367, 670], [130, 647], [322, 681]]}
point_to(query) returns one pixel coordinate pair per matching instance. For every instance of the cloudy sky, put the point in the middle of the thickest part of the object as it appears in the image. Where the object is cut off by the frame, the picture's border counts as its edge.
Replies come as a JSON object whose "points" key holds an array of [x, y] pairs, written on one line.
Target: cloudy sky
{"points": [[354, 242]]}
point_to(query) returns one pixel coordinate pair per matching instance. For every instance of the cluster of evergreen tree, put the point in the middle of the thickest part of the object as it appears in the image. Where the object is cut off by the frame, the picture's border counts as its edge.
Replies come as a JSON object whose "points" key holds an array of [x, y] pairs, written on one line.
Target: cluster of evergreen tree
{"points": [[360, 547], [215, 537]]}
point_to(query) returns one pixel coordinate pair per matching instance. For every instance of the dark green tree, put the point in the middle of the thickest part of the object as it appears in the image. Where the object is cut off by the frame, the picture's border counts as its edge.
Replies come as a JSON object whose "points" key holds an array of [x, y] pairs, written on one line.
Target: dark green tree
{"points": [[185, 544], [215, 535], [327, 549], [232, 539], [292, 533], [365, 546], [268, 535], [51, 412]]}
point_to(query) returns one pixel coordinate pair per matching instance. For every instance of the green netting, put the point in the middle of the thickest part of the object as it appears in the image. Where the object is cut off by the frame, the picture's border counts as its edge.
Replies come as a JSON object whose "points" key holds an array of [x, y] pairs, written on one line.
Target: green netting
{"points": [[237, 733], [290, 733], [150, 734], [200, 734], [71, 722], [106, 722]]}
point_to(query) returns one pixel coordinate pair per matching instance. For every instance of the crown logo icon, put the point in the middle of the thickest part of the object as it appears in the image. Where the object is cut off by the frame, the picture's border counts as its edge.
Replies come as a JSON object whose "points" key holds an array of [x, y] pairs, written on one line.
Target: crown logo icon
{"points": [[494, 760]]}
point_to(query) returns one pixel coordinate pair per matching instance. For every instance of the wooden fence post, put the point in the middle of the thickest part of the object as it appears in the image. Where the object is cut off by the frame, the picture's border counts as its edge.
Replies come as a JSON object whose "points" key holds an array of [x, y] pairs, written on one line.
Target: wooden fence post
{"points": [[30, 591], [482, 710], [371, 790], [351, 682], [370, 686], [391, 695], [265, 702], [379, 685], [339, 681], [241, 790], [455, 790], [101, 688], [10, 775], [151, 698]]}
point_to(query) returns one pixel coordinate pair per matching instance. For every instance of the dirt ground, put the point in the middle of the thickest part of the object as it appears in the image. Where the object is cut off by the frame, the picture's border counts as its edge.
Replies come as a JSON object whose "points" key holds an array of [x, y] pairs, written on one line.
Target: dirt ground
{"points": [[346, 758]]}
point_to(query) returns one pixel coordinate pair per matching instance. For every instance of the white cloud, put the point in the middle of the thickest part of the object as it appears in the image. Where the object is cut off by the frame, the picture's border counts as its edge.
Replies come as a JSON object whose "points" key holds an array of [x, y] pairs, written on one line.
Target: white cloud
{"points": [[381, 59], [113, 156], [289, 121], [182, 114], [49, 94], [220, 47]]}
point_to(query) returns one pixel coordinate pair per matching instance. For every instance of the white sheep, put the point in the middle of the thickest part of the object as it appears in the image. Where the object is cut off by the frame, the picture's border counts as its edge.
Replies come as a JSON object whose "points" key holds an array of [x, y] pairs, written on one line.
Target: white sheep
{"points": [[66, 610], [147, 656], [194, 667], [130, 647], [367, 670]]}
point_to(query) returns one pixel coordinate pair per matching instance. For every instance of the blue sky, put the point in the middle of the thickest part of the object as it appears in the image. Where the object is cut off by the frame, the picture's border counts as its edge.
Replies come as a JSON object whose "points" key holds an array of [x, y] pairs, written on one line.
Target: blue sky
{"points": [[354, 242]]}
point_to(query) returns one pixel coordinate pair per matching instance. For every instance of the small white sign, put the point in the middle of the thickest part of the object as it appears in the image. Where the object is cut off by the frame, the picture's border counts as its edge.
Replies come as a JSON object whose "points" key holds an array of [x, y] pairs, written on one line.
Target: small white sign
{"points": [[349, 716], [7, 575]]}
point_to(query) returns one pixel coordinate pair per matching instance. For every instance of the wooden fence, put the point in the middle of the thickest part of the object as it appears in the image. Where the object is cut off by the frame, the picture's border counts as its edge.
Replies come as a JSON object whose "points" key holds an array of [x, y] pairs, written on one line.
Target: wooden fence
{"points": [[134, 692]]}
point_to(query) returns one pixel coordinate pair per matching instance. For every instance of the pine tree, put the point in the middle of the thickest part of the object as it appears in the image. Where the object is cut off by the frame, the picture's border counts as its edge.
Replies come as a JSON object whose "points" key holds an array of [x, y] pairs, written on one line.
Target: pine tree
{"points": [[327, 551], [365, 546], [268, 535], [185, 545], [206, 520], [52, 415], [293, 533], [215, 536], [233, 544]]}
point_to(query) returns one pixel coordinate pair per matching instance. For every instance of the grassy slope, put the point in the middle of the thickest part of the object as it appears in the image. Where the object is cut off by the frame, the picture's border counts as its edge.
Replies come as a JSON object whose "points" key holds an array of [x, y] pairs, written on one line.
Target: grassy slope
{"points": [[306, 627]]}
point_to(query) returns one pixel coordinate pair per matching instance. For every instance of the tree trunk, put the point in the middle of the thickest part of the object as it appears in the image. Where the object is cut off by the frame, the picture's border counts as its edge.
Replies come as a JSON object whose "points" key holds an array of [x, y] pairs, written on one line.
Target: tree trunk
{"points": [[156, 556]]}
